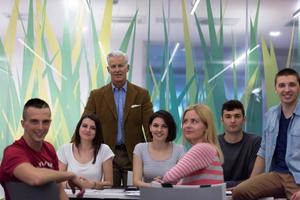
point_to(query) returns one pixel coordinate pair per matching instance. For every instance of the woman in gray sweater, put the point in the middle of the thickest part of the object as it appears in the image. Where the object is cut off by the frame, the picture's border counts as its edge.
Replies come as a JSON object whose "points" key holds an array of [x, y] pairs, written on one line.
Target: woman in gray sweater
{"points": [[151, 160]]}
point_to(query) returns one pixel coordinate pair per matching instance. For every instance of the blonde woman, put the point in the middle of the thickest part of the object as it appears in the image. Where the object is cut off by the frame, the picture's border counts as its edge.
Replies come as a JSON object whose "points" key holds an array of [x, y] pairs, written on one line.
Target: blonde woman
{"points": [[202, 164]]}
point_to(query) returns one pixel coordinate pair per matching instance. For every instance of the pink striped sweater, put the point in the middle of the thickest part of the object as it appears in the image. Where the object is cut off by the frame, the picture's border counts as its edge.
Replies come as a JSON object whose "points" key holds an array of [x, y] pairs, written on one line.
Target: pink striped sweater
{"points": [[199, 166]]}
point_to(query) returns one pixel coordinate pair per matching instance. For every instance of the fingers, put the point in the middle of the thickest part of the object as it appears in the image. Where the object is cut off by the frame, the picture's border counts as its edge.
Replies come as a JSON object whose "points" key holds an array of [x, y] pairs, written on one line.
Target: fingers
{"points": [[230, 189], [80, 193], [157, 179], [82, 179], [294, 197], [72, 186]]}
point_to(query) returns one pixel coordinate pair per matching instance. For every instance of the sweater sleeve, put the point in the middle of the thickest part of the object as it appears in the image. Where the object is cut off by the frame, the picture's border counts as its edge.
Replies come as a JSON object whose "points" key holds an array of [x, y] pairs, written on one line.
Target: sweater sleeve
{"points": [[198, 157]]}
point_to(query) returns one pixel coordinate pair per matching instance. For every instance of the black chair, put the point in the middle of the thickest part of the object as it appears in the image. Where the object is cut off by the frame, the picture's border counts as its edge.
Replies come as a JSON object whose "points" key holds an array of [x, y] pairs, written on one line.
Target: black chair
{"points": [[23, 191]]}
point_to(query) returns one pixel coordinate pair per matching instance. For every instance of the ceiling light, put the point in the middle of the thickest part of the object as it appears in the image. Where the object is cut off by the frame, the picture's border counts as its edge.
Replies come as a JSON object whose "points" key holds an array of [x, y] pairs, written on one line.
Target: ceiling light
{"points": [[296, 13], [196, 3], [235, 62], [274, 33], [87, 4], [170, 61], [41, 58], [85, 29], [71, 4]]}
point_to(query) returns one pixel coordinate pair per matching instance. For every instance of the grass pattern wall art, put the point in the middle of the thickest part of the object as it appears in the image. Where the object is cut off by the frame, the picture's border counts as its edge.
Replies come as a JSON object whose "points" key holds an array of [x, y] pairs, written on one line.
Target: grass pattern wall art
{"points": [[62, 67]]}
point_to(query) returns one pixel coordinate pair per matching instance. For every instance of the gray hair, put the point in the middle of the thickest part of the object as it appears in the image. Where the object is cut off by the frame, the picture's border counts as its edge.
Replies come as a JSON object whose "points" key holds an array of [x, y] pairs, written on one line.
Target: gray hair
{"points": [[117, 53]]}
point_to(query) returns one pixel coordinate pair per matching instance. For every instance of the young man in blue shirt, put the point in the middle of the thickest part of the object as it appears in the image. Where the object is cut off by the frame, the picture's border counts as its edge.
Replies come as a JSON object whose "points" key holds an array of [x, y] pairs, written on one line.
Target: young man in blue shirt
{"points": [[276, 172]]}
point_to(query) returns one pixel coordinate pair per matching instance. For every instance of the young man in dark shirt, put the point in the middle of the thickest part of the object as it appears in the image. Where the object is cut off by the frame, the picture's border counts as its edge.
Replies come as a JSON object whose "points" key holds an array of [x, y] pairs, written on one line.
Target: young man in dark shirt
{"points": [[239, 148]]}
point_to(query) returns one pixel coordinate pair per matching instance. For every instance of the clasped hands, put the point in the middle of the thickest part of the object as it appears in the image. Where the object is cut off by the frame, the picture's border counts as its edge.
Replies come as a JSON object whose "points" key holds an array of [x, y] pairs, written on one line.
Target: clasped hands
{"points": [[75, 183]]}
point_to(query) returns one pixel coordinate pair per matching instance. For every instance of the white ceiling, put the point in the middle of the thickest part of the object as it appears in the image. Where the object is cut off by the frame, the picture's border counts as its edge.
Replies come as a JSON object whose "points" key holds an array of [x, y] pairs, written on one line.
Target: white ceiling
{"points": [[274, 16]]}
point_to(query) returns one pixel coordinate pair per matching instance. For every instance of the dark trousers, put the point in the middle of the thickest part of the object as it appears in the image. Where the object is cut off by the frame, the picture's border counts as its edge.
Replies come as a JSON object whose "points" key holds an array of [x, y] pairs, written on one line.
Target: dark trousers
{"points": [[121, 166]]}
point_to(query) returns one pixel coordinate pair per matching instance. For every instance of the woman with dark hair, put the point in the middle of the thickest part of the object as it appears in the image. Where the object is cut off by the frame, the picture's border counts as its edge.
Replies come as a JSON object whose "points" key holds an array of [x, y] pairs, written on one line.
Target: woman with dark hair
{"points": [[151, 160], [86, 155]]}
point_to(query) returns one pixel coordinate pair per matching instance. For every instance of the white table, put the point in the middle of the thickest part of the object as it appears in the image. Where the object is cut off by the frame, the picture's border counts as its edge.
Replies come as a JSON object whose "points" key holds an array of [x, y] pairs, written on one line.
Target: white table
{"points": [[107, 194], [122, 194]]}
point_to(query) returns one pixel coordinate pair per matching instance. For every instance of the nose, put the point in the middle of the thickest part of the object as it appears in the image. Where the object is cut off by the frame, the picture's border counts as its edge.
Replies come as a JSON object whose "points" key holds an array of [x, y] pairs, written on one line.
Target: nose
{"points": [[117, 69], [285, 88], [186, 125], [160, 128], [232, 119], [40, 126]]}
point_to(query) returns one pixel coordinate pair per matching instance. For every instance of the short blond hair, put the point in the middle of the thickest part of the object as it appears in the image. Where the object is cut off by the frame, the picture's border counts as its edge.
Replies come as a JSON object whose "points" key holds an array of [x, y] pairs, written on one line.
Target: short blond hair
{"points": [[206, 116]]}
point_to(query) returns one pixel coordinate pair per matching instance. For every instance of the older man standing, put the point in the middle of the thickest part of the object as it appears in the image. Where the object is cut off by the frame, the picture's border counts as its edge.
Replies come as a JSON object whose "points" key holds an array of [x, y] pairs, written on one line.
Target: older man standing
{"points": [[123, 110]]}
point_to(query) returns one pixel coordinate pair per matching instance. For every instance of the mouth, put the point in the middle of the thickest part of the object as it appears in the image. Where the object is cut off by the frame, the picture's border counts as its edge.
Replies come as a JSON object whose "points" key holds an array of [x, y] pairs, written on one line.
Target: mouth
{"points": [[40, 135], [187, 132], [287, 96], [159, 134]]}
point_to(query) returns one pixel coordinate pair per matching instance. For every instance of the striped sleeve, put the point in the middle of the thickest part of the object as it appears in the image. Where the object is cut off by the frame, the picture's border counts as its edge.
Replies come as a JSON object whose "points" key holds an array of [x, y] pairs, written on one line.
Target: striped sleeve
{"points": [[198, 157]]}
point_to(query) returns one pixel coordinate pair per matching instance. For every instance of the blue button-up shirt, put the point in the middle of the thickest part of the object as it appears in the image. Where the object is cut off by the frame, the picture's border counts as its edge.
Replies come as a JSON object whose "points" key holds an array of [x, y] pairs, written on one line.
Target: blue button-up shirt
{"points": [[269, 138], [120, 96]]}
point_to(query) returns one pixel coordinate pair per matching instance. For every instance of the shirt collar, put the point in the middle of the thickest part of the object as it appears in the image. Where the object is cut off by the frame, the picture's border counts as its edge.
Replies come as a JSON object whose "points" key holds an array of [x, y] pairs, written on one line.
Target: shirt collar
{"points": [[124, 87], [296, 110]]}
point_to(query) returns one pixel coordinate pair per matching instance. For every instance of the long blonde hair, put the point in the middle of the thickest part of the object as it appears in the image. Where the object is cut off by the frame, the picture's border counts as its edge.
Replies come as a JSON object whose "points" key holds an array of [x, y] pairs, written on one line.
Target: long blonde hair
{"points": [[206, 116]]}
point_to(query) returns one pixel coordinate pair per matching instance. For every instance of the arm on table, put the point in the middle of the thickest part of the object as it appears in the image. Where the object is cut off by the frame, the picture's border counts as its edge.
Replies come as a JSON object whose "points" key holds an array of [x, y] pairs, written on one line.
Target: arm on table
{"points": [[63, 167], [107, 171], [62, 193], [108, 174], [296, 196], [31, 175], [259, 166], [34, 176], [253, 155], [198, 157], [138, 172], [108, 177]]}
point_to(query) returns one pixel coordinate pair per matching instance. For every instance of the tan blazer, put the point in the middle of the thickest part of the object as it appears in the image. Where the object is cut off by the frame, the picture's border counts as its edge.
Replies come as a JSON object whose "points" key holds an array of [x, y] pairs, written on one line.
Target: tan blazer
{"points": [[137, 111]]}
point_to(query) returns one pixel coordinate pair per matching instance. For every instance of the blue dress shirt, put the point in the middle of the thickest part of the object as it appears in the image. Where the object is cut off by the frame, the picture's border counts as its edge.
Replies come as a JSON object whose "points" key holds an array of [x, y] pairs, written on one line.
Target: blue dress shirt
{"points": [[120, 96]]}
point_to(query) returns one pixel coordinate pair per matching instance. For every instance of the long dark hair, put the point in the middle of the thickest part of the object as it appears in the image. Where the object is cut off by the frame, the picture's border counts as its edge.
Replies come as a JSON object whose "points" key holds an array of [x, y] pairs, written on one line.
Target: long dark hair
{"points": [[98, 139]]}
